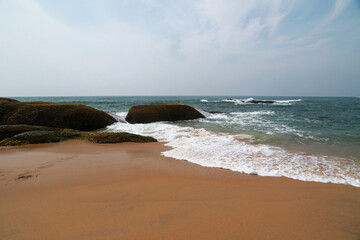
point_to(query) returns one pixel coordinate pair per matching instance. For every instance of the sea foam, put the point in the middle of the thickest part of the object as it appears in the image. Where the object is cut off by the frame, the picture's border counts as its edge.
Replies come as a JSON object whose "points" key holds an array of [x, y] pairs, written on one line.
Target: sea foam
{"points": [[237, 153]]}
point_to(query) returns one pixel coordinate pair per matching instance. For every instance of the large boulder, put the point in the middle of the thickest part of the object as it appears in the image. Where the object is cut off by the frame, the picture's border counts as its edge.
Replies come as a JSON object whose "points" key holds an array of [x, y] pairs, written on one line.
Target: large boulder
{"points": [[60, 115], [162, 112]]}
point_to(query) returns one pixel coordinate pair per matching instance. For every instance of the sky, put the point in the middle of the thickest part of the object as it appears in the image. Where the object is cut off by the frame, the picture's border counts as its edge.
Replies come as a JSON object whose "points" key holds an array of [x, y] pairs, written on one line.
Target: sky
{"points": [[188, 47]]}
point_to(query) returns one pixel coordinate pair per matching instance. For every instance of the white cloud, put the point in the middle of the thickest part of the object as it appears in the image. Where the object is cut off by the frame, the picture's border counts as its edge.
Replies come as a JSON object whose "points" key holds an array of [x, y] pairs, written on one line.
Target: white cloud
{"points": [[339, 7], [38, 50], [234, 27], [187, 47]]}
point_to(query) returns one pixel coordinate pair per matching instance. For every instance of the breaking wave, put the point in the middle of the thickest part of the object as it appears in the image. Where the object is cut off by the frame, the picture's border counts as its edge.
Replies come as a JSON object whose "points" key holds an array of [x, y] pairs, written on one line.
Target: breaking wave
{"points": [[236, 152], [253, 101]]}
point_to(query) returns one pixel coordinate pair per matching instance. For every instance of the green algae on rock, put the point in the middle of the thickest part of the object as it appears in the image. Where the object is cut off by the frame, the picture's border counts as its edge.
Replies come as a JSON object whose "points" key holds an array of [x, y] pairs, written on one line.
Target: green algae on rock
{"points": [[105, 137], [59, 135], [35, 137], [7, 131]]}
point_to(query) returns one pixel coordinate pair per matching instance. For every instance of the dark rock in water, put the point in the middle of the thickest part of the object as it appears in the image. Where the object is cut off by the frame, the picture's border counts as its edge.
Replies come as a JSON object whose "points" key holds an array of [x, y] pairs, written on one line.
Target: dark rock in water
{"points": [[59, 135], [60, 115], [162, 112], [7, 131], [261, 101], [251, 101], [118, 137]]}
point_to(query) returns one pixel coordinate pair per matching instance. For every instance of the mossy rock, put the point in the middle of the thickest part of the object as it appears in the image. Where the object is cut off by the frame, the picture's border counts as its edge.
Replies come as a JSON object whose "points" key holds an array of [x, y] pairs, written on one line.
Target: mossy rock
{"points": [[162, 112], [118, 137], [7, 131], [59, 115], [35, 137], [59, 135]]}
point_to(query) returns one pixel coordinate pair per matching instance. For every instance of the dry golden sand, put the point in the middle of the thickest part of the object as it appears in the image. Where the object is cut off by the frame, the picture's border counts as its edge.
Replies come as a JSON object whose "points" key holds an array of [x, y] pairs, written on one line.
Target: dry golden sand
{"points": [[80, 190]]}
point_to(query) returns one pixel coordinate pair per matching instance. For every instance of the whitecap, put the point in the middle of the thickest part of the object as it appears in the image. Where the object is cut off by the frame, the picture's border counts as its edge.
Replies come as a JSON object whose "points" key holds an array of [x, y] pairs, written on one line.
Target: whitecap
{"points": [[204, 113], [250, 101], [288, 101], [265, 112], [119, 116]]}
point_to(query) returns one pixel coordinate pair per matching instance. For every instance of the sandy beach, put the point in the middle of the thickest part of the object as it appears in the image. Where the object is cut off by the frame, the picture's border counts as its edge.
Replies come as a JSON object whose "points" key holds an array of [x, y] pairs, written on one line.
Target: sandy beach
{"points": [[81, 190]]}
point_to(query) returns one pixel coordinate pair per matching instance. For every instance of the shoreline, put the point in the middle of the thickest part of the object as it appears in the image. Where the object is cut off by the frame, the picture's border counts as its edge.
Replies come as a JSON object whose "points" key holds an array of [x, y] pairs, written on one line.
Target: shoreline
{"points": [[80, 190]]}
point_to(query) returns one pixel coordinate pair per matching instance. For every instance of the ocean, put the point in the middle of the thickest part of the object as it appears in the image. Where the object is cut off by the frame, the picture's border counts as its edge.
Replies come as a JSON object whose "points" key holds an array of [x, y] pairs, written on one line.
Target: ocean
{"points": [[304, 138]]}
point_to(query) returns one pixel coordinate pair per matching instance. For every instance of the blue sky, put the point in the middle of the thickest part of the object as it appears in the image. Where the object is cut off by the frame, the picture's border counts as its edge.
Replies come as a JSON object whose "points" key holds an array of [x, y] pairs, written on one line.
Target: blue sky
{"points": [[149, 47]]}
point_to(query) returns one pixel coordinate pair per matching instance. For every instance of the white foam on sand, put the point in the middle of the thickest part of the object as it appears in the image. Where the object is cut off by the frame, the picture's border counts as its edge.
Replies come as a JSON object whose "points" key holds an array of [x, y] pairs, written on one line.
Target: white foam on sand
{"points": [[235, 152]]}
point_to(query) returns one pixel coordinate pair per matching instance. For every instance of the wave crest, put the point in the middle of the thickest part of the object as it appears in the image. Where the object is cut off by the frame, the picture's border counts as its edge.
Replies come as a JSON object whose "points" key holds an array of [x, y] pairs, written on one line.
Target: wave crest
{"points": [[260, 101]]}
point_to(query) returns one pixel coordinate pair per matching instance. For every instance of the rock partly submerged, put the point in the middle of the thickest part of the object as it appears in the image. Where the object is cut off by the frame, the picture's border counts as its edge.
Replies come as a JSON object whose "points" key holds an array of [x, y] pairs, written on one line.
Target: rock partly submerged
{"points": [[262, 101], [60, 115], [162, 112]]}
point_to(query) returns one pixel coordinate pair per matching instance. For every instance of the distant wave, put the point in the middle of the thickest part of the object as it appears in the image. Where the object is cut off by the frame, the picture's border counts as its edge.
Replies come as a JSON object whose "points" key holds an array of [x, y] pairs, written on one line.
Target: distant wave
{"points": [[288, 101], [207, 101], [254, 113], [260, 101], [254, 101]]}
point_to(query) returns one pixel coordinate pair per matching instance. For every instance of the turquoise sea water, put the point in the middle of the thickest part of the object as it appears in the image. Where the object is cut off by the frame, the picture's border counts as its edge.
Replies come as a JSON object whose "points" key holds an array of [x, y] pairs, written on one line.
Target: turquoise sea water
{"points": [[306, 138]]}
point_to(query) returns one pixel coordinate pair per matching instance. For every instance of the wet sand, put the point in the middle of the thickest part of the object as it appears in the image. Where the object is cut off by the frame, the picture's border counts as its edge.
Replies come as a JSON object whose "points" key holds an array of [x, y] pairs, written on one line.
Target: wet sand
{"points": [[80, 190]]}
